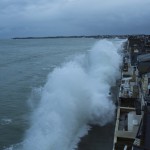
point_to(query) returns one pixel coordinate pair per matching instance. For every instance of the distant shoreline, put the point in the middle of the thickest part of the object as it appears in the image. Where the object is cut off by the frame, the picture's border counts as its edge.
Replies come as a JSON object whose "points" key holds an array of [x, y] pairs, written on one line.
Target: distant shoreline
{"points": [[92, 36]]}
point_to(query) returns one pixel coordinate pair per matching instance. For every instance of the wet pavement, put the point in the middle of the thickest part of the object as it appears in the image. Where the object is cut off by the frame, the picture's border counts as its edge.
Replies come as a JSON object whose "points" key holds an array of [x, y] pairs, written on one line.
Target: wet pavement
{"points": [[100, 138]]}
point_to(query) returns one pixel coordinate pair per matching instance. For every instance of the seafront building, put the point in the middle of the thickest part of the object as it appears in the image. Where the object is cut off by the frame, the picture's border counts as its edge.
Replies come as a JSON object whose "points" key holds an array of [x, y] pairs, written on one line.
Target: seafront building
{"points": [[132, 129]]}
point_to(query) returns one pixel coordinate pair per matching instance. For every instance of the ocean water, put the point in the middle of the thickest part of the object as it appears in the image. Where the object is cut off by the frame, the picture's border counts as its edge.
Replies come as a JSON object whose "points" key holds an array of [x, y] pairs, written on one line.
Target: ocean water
{"points": [[52, 89]]}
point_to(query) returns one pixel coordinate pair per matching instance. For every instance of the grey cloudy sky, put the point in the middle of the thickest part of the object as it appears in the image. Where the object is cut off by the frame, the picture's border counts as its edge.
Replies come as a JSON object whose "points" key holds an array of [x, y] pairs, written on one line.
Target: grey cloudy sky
{"points": [[73, 17]]}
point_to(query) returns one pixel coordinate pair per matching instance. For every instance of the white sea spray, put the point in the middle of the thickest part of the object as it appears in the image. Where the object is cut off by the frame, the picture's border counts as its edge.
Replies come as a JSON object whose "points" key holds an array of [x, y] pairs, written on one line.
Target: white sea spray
{"points": [[75, 94]]}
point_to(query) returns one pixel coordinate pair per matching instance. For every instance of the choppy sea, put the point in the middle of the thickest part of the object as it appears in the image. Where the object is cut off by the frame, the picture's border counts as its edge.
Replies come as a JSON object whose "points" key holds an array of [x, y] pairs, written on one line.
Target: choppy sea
{"points": [[53, 90]]}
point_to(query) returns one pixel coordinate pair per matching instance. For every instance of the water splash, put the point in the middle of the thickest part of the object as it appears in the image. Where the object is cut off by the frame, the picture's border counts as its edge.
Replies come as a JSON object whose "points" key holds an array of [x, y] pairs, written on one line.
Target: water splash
{"points": [[5, 121], [75, 95]]}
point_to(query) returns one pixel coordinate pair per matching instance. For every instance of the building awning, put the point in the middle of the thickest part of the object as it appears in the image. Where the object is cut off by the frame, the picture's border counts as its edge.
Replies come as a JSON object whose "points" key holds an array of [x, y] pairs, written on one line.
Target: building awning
{"points": [[144, 57]]}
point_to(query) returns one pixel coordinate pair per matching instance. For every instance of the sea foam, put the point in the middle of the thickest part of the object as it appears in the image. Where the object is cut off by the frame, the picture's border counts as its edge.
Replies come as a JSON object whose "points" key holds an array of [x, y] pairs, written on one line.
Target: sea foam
{"points": [[75, 95]]}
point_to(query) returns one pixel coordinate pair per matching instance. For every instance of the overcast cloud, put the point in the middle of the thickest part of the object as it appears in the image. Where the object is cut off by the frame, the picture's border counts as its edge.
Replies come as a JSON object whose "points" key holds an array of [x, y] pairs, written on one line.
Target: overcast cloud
{"points": [[73, 17]]}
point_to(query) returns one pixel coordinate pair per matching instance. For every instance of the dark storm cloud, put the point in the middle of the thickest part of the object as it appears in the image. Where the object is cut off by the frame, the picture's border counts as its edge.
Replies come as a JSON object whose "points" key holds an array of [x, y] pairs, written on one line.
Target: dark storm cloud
{"points": [[73, 17]]}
